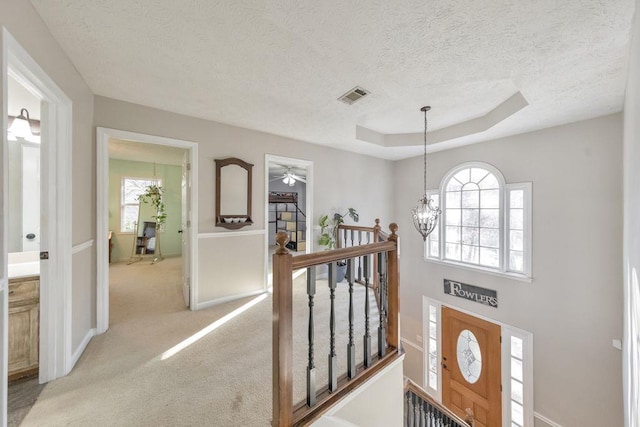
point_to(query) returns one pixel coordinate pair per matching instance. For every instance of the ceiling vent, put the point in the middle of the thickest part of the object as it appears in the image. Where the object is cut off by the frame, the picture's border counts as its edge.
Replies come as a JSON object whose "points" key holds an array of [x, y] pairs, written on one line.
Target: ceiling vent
{"points": [[353, 95]]}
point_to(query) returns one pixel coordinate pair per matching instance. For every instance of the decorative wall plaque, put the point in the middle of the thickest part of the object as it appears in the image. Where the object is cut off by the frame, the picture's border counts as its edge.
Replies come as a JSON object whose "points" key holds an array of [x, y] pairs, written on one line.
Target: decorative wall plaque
{"points": [[472, 293]]}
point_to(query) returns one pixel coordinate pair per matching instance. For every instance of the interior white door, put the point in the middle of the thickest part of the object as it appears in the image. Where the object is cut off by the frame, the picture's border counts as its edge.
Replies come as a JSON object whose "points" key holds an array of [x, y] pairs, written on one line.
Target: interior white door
{"points": [[30, 198], [186, 214]]}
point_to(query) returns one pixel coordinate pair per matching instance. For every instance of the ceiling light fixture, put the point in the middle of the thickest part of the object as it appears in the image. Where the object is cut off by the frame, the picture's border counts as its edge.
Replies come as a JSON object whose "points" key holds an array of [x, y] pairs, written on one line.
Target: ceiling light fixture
{"points": [[290, 180], [425, 214]]}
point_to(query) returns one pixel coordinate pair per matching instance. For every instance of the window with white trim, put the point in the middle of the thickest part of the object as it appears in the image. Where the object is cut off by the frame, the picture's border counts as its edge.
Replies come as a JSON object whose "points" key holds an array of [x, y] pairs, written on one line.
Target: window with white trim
{"points": [[131, 189], [485, 223]]}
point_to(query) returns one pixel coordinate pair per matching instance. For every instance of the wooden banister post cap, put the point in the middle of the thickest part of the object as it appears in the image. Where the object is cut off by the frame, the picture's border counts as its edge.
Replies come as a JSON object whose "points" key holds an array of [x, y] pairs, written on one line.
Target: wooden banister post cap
{"points": [[282, 239], [393, 227], [377, 223]]}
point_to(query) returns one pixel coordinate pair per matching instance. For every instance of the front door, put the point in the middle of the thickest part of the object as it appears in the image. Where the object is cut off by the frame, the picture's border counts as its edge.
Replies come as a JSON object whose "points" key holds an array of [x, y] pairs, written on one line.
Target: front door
{"points": [[471, 368]]}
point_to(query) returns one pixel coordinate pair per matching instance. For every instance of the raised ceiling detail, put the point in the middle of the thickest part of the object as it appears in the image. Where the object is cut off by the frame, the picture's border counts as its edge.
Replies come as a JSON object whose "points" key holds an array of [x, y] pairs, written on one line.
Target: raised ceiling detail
{"points": [[449, 136], [280, 66]]}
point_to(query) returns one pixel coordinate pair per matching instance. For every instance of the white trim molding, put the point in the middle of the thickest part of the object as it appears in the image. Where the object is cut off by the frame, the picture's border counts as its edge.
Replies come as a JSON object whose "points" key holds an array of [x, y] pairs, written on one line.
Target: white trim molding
{"points": [[546, 420], [102, 205], [56, 187], [231, 234], [412, 345], [82, 246], [83, 345], [222, 300]]}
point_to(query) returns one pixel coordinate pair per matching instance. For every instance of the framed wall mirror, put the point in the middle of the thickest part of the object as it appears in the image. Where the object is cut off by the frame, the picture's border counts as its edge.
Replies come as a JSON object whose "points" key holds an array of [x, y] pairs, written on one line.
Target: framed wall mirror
{"points": [[233, 193]]}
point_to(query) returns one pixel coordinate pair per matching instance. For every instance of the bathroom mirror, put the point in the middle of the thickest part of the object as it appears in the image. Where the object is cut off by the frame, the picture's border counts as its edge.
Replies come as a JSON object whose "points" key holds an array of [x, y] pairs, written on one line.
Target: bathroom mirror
{"points": [[233, 193]]}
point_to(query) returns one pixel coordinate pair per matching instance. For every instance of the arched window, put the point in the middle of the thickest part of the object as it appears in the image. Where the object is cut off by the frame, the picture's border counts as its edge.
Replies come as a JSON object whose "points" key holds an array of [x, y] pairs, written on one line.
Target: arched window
{"points": [[484, 222]]}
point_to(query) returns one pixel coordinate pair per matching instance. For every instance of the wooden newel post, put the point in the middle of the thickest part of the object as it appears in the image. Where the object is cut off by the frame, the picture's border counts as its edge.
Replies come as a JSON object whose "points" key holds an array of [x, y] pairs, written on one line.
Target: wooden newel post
{"points": [[282, 334], [393, 332]]}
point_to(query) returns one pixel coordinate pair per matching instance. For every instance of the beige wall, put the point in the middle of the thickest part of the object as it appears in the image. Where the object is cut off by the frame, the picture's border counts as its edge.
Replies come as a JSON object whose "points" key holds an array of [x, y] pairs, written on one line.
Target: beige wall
{"points": [[631, 259], [377, 403], [21, 20], [342, 179], [573, 305]]}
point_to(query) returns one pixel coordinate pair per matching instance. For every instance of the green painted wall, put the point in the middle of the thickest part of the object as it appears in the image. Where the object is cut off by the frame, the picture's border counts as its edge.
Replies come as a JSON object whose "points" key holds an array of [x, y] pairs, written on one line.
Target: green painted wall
{"points": [[171, 176]]}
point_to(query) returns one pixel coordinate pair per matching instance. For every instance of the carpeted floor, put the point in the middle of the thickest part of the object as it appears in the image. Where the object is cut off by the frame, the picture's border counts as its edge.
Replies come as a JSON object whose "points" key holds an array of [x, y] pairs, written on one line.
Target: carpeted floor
{"points": [[221, 379]]}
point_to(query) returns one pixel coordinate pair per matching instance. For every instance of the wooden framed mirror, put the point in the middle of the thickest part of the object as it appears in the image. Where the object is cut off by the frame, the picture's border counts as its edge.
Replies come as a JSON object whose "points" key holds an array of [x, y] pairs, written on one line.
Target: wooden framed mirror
{"points": [[233, 193]]}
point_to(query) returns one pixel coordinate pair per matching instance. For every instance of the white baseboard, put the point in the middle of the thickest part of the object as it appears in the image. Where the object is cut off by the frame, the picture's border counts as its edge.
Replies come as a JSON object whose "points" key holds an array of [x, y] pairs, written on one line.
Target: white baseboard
{"points": [[218, 301], [546, 420], [83, 345]]}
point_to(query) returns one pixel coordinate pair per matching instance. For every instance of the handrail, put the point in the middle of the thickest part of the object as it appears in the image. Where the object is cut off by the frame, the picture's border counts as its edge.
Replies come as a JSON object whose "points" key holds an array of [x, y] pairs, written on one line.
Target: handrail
{"points": [[385, 266], [325, 257], [409, 385]]}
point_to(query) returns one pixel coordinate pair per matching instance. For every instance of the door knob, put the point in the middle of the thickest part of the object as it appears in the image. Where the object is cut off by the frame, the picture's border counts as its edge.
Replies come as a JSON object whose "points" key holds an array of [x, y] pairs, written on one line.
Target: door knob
{"points": [[180, 231], [31, 236]]}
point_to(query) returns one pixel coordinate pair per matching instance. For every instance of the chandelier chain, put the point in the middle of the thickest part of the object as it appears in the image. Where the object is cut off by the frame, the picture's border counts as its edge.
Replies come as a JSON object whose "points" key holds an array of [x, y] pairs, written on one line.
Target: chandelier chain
{"points": [[425, 153]]}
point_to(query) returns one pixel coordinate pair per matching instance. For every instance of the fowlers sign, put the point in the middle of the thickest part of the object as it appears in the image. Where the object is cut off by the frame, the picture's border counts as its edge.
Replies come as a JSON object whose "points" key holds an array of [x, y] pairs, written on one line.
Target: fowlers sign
{"points": [[473, 293]]}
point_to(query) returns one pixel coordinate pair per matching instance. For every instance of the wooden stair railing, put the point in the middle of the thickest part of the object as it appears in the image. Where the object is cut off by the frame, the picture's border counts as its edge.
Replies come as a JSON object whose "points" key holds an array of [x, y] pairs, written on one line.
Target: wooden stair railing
{"points": [[422, 410], [385, 256]]}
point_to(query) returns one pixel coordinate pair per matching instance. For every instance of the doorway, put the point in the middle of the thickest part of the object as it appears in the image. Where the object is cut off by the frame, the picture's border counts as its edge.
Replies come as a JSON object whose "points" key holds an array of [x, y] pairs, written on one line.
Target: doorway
{"points": [[288, 206], [142, 239], [35, 290], [471, 377], [23, 147], [455, 378], [147, 186]]}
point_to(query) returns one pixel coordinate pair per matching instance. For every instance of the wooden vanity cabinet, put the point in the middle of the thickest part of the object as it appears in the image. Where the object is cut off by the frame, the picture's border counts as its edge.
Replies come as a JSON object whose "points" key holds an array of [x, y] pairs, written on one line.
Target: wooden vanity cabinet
{"points": [[24, 324]]}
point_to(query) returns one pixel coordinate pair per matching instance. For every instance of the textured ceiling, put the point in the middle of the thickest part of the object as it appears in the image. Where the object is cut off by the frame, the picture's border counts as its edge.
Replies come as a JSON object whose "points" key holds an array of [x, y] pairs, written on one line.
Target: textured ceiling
{"points": [[278, 66]]}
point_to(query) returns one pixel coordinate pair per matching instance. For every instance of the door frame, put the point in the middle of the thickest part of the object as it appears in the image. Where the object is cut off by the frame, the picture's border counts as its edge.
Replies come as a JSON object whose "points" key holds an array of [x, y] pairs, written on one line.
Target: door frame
{"points": [[308, 165], [55, 352], [507, 331], [102, 209]]}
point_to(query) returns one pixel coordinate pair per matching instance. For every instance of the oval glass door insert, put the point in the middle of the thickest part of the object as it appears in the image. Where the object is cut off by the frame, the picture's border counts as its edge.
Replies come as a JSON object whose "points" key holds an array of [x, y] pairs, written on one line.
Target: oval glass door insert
{"points": [[469, 356]]}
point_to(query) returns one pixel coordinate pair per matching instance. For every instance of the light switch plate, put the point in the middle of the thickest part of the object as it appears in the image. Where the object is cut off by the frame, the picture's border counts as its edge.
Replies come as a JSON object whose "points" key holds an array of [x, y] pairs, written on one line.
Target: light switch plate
{"points": [[617, 344]]}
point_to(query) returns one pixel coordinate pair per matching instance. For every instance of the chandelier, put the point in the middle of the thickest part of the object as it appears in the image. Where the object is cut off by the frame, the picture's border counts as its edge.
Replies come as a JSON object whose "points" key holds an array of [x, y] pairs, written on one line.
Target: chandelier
{"points": [[425, 214]]}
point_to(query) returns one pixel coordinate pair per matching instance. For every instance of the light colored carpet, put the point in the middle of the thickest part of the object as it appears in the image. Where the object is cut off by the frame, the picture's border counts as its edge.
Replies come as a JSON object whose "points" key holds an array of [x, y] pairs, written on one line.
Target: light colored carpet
{"points": [[223, 379]]}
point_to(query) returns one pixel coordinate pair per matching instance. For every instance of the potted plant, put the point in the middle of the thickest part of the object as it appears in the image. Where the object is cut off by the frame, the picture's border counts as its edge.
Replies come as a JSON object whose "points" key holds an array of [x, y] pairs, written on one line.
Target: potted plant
{"points": [[153, 195], [329, 234]]}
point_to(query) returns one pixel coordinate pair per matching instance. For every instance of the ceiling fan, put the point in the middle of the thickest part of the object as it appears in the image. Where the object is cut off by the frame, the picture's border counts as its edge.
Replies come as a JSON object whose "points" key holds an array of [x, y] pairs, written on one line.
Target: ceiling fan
{"points": [[289, 177]]}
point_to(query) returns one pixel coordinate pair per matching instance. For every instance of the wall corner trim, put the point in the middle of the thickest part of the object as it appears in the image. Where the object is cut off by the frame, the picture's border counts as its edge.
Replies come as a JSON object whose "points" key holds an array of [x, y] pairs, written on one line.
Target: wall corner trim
{"points": [[83, 345]]}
